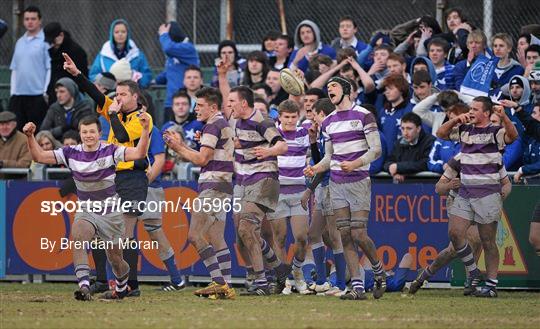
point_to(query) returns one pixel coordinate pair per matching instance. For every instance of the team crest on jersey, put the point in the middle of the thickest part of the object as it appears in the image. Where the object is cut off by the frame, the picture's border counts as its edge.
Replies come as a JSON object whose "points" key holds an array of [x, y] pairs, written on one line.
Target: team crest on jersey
{"points": [[100, 162], [299, 140], [355, 123], [253, 135]]}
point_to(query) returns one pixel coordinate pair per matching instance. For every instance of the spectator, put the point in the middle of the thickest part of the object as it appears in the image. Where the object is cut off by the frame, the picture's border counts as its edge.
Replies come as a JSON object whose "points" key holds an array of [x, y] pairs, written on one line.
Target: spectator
{"points": [[438, 51], [524, 41], [423, 88], [284, 45], [184, 118], [30, 72], [513, 153], [444, 150], [65, 114], [378, 70], [48, 143], [396, 65], [531, 157], [228, 55], [445, 99], [119, 46], [506, 67], [519, 94], [193, 81], [3, 28], [265, 92], [534, 81], [476, 45], [458, 25], [61, 42], [532, 55], [411, 152], [347, 36], [257, 68], [14, 151], [180, 54], [269, 43], [306, 113], [307, 40], [395, 105], [259, 104], [278, 94], [379, 38], [70, 137], [423, 63]]}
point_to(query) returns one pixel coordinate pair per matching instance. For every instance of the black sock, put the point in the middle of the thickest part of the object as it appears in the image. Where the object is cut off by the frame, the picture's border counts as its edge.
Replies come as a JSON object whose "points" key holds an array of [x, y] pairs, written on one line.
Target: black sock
{"points": [[100, 259]]}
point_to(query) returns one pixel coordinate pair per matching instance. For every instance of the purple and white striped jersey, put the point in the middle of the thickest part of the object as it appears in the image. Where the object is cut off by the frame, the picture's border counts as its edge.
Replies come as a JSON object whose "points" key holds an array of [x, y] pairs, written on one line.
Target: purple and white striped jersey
{"points": [[291, 164], [481, 159], [307, 123], [252, 132], [218, 173], [347, 131], [93, 172]]}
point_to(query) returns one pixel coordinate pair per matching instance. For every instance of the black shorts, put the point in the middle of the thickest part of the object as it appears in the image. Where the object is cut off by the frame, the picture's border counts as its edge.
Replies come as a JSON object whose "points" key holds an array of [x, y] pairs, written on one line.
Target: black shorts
{"points": [[536, 213], [132, 185]]}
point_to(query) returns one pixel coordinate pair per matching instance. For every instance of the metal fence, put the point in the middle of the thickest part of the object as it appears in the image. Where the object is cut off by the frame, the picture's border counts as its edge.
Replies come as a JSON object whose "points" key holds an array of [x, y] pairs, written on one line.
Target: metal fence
{"points": [[88, 21]]}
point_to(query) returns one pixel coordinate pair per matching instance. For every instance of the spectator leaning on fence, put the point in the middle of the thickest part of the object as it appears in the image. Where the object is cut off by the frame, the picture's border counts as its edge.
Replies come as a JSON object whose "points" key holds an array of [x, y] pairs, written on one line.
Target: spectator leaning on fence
{"points": [[14, 152], [68, 110], [61, 42], [120, 45], [411, 152], [180, 54], [30, 71]]}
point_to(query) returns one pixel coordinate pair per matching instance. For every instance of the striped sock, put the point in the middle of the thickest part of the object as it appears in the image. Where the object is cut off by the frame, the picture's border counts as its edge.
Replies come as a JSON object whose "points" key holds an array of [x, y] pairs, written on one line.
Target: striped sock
{"points": [[297, 264], [170, 264], [269, 255], [260, 279], [377, 268], [211, 263], [341, 269], [357, 284], [426, 274], [467, 258], [224, 261], [82, 272], [318, 258], [492, 283], [121, 282]]}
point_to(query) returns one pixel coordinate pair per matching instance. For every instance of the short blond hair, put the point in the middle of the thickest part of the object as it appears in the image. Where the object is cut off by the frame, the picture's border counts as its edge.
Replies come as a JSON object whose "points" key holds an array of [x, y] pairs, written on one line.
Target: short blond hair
{"points": [[505, 37]]}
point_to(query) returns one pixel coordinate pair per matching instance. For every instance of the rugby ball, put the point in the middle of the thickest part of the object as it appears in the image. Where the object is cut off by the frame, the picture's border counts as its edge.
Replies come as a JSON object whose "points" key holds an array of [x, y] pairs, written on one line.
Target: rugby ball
{"points": [[291, 83]]}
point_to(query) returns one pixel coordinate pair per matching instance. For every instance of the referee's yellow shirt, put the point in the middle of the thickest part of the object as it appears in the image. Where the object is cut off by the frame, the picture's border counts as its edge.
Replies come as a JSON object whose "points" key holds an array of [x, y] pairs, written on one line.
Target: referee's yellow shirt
{"points": [[133, 127]]}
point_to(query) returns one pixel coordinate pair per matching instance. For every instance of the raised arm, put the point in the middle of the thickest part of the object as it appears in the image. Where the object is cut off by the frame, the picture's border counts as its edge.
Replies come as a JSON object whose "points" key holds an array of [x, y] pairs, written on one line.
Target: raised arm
{"points": [[139, 152], [38, 154], [84, 84], [446, 129], [511, 133]]}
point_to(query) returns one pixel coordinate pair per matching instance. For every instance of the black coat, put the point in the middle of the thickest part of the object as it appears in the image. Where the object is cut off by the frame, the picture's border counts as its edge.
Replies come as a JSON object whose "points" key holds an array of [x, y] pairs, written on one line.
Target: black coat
{"points": [[411, 159], [76, 52]]}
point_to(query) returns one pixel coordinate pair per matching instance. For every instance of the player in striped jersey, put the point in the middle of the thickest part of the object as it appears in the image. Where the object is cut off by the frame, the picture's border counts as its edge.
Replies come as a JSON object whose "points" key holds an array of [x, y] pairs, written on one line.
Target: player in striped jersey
{"points": [[479, 198], [93, 167], [448, 185], [259, 144], [207, 229], [292, 187], [352, 143]]}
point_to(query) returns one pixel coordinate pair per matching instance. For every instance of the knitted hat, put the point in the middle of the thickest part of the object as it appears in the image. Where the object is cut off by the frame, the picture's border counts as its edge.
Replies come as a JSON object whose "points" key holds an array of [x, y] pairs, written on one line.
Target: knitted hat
{"points": [[121, 70], [175, 32]]}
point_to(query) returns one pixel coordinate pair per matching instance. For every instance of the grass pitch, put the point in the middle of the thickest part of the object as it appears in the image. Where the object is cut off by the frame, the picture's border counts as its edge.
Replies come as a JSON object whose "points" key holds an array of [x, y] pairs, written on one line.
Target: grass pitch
{"points": [[51, 305]]}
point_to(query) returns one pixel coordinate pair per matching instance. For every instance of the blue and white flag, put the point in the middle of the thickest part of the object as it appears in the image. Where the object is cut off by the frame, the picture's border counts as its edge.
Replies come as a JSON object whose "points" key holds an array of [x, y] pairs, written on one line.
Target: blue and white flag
{"points": [[477, 81]]}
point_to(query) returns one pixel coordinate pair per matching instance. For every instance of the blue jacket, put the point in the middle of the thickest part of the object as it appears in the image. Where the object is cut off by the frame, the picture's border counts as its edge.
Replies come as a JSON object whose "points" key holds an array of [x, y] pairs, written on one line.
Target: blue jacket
{"points": [[157, 146], [460, 70], [440, 153], [531, 158], [512, 155], [445, 78], [107, 57], [429, 63], [180, 55], [322, 49], [303, 64], [190, 126], [389, 122]]}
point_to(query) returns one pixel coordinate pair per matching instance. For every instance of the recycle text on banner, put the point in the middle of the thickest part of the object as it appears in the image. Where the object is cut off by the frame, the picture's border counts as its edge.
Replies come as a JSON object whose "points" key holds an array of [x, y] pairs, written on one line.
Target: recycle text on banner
{"points": [[477, 81]]}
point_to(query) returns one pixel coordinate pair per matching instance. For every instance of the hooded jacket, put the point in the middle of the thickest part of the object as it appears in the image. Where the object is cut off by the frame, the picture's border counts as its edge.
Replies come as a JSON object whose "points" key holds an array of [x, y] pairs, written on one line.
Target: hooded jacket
{"points": [[429, 63], [321, 48], [56, 118], [524, 102], [76, 52], [107, 57], [180, 55]]}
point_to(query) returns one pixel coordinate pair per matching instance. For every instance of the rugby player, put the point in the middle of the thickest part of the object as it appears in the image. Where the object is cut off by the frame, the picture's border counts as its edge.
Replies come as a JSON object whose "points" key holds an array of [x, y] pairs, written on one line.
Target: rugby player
{"points": [[207, 228], [352, 142], [92, 164], [479, 198]]}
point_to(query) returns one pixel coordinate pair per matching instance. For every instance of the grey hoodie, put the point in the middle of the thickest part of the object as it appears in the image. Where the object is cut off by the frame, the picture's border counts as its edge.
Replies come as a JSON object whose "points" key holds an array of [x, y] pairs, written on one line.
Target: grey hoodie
{"points": [[525, 97], [297, 42], [70, 85]]}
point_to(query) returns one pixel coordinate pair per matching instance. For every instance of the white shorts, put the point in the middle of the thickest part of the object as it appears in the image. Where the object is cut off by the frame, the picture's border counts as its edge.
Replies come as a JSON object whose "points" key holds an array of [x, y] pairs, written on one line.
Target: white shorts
{"points": [[483, 210], [356, 195], [288, 205], [323, 201], [109, 227]]}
